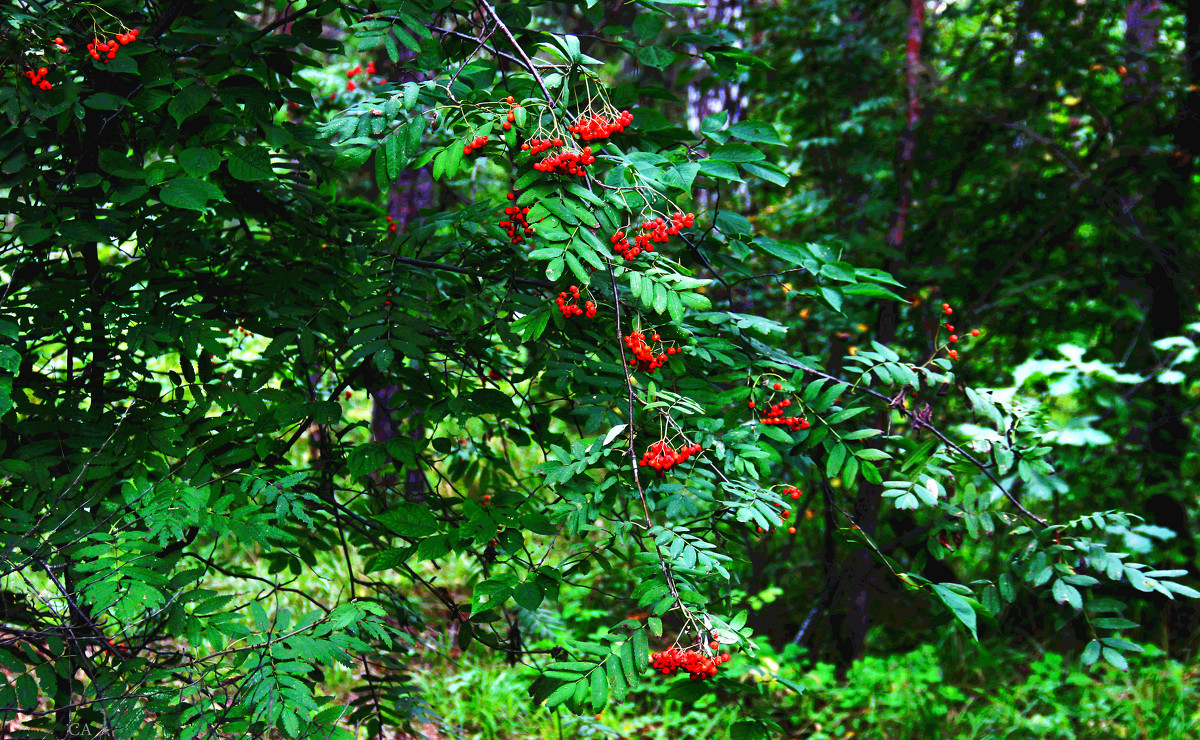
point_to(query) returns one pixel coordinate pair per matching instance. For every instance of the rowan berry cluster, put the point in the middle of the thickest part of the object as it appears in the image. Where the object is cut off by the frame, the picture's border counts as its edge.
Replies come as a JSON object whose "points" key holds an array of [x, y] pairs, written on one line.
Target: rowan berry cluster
{"points": [[662, 456], [792, 491], [62, 45], [355, 71], [774, 415], [947, 310], [537, 146], [516, 225], [652, 231], [38, 78], [474, 144], [570, 306], [700, 666], [644, 357], [511, 118], [599, 126], [103, 51], [391, 224], [569, 163]]}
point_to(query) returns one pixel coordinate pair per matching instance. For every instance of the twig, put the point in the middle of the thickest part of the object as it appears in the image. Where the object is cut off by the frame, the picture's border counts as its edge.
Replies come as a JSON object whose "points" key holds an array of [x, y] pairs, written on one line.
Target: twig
{"points": [[525, 60], [911, 415]]}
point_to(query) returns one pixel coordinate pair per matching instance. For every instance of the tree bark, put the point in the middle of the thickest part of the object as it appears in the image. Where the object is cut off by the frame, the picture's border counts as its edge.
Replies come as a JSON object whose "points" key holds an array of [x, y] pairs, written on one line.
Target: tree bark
{"points": [[851, 620]]}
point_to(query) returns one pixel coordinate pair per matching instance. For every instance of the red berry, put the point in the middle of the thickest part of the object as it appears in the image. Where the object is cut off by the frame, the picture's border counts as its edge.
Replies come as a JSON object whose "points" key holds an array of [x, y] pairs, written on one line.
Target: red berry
{"points": [[778, 386], [974, 332], [751, 404]]}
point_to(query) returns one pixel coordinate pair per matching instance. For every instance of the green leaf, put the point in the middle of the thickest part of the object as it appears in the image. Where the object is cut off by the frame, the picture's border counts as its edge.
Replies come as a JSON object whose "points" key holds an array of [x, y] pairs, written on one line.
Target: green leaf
{"points": [[1091, 653], [1120, 643], [658, 57], [720, 169], [560, 695], [789, 253], [641, 650], [198, 161], [27, 692], [1065, 593], [105, 101], [1115, 659], [735, 152], [769, 172], [408, 520], [491, 594], [599, 689], [10, 359], [528, 595], [188, 102], [185, 192], [960, 607], [834, 462], [757, 131], [554, 270], [576, 267], [871, 290]]}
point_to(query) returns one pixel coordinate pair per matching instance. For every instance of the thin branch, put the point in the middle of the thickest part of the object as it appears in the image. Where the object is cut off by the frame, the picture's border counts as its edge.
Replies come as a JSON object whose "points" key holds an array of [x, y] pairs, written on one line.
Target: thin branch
{"points": [[525, 60]]}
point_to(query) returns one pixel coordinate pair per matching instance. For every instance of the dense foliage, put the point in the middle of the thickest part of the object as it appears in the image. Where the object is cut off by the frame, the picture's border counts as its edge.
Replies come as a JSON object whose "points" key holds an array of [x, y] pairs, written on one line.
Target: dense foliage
{"points": [[318, 314]]}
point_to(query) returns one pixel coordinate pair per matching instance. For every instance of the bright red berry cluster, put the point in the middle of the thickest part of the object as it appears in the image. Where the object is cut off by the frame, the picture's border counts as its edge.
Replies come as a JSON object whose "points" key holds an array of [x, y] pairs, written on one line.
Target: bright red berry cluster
{"points": [[515, 225], [511, 118], [474, 144], [652, 231], [62, 45], [537, 146], [662, 456], [792, 491], [570, 307], [599, 126], [644, 357], [946, 309], [774, 415], [700, 666], [568, 163], [38, 78], [355, 71], [391, 225], [103, 51]]}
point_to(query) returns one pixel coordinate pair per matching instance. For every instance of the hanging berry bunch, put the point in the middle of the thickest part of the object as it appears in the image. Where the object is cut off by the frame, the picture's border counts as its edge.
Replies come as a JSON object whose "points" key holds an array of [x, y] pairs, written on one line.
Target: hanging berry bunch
{"points": [[515, 222], [510, 118], [652, 231], [662, 456], [537, 146], [600, 126], [476, 143], [775, 413], [570, 306], [697, 664], [61, 45], [105, 51], [356, 70], [792, 491], [567, 163], [38, 78], [644, 356], [953, 338]]}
